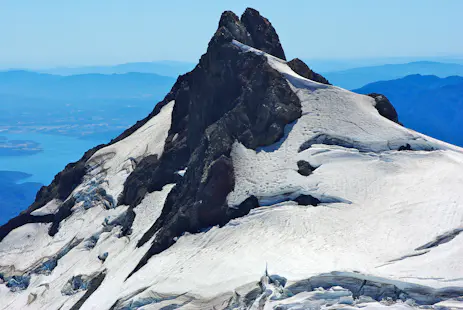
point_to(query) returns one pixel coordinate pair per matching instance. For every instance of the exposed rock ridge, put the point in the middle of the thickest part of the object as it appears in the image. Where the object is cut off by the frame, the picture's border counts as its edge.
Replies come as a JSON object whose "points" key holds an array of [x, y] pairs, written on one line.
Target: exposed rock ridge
{"points": [[254, 30], [229, 96]]}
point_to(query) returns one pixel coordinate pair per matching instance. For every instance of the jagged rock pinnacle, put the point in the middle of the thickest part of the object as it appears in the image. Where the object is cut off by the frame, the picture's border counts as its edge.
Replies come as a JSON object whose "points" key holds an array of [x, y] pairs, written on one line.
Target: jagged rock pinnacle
{"points": [[252, 29], [262, 32], [232, 23]]}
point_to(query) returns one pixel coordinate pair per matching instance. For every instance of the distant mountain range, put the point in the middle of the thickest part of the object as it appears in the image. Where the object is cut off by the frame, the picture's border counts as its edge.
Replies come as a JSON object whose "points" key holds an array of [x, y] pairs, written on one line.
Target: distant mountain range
{"points": [[80, 105], [174, 68], [332, 65], [358, 77], [83, 86], [346, 73], [429, 104], [166, 68]]}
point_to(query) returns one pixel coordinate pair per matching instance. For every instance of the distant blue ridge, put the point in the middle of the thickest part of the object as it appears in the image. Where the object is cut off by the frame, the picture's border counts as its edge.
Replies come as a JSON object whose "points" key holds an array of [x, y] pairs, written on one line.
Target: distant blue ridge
{"points": [[426, 103], [14, 196]]}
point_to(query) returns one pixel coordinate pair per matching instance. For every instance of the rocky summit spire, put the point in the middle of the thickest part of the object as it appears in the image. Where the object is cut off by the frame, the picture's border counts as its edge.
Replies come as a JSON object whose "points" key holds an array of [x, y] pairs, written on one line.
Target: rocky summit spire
{"points": [[238, 31], [262, 32], [253, 29]]}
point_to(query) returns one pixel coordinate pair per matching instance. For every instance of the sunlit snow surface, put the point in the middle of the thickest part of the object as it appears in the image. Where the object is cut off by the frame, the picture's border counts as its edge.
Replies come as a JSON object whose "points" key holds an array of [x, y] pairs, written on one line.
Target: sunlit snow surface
{"points": [[379, 207]]}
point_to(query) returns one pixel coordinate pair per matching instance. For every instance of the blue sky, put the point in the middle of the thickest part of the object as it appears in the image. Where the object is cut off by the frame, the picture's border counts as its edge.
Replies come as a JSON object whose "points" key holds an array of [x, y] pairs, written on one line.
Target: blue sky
{"points": [[90, 32]]}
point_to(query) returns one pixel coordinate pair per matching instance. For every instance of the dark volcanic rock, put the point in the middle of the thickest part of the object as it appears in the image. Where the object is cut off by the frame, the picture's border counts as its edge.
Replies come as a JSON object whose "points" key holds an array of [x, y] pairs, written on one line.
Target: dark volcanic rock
{"points": [[307, 200], [151, 174], [91, 287], [385, 107], [304, 168], [229, 96], [406, 147], [262, 33], [303, 70], [64, 182], [21, 220], [63, 212], [232, 23]]}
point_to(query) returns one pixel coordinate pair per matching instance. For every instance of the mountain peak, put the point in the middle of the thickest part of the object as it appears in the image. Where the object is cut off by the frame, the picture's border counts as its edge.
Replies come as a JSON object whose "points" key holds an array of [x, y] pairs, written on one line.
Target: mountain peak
{"points": [[245, 161], [263, 34], [232, 23], [252, 29]]}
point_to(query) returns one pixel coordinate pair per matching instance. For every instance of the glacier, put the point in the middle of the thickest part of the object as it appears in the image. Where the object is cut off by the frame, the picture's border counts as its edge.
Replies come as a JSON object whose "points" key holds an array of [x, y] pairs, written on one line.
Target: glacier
{"points": [[381, 229]]}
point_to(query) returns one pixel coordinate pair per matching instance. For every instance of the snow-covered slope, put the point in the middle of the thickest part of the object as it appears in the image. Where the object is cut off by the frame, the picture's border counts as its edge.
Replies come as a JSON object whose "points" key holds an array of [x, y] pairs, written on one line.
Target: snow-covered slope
{"points": [[350, 210]]}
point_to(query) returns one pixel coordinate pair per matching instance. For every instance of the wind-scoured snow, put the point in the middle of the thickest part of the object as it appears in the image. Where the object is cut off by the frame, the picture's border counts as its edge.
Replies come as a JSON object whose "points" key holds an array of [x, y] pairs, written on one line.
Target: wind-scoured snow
{"points": [[122, 257], [378, 207], [50, 208], [27, 247], [113, 164], [24, 245], [400, 200]]}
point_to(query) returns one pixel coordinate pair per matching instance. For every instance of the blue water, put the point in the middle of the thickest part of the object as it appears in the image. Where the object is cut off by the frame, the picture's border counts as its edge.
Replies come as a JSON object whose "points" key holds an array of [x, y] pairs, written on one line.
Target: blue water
{"points": [[22, 175], [57, 152]]}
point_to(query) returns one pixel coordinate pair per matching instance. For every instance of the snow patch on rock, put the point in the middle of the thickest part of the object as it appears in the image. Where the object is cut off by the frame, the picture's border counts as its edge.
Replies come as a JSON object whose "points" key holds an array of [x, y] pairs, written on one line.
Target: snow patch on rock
{"points": [[50, 208]]}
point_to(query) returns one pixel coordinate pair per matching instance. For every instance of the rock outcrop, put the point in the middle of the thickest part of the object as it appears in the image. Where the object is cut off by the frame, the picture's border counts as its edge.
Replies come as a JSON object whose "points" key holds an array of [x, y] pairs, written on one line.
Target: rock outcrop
{"points": [[302, 69], [253, 30], [385, 107]]}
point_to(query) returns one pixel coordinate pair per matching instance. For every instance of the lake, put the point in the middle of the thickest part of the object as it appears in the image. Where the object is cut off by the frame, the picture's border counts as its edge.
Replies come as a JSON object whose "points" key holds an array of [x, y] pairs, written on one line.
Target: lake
{"points": [[21, 175], [58, 151]]}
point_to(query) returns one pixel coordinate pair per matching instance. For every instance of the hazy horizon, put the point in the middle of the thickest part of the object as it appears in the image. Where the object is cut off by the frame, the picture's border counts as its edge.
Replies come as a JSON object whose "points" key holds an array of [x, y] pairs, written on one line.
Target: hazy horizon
{"points": [[319, 64], [87, 33]]}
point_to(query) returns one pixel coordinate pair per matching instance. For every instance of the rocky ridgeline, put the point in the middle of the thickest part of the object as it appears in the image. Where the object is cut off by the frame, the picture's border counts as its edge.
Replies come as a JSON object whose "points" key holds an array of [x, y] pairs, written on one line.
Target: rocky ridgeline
{"points": [[229, 96]]}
